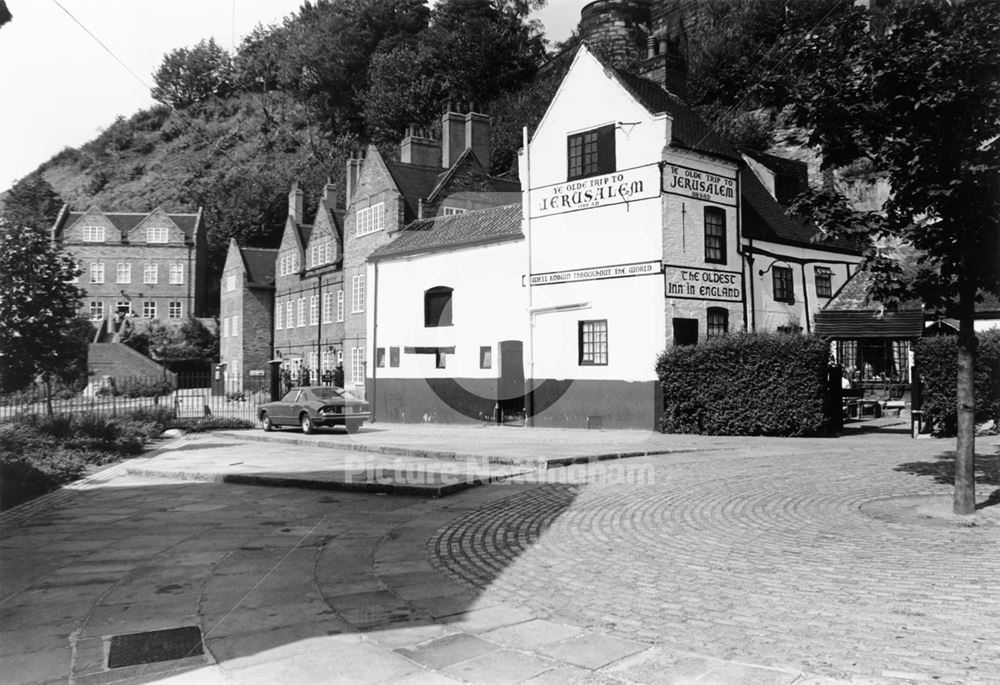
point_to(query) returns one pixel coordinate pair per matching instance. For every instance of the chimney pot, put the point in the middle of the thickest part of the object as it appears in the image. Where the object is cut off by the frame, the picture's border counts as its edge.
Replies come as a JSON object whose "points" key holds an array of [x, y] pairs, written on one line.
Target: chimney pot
{"points": [[295, 203]]}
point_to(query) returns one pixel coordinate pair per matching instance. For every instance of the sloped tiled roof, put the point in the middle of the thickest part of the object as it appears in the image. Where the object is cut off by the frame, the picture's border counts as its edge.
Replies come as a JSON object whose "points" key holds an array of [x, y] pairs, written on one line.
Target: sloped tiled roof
{"points": [[689, 130], [414, 182], [780, 165], [259, 264], [305, 233], [496, 224], [126, 221], [764, 218]]}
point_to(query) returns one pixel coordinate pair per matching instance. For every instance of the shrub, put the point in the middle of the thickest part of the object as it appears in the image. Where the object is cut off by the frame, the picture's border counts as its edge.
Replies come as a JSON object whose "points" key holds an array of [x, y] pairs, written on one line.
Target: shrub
{"points": [[746, 384], [936, 364]]}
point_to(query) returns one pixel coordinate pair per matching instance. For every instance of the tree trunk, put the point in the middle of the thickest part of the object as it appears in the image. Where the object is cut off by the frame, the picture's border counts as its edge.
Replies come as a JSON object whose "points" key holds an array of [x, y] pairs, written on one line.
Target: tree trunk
{"points": [[965, 447]]}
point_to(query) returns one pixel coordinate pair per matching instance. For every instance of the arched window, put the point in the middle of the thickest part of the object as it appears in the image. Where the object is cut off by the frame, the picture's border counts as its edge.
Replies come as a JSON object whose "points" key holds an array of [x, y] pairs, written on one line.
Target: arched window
{"points": [[437, 306]]}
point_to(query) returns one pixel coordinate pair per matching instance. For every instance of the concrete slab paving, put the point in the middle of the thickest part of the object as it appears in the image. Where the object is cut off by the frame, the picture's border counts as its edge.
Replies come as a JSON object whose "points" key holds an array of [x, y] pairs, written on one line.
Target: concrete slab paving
{"points": [[730, 561]]}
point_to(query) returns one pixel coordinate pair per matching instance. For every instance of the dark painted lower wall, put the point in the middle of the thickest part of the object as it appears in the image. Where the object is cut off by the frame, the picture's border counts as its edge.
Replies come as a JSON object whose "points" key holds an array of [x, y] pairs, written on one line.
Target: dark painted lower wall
{"points": [[557, 403]]}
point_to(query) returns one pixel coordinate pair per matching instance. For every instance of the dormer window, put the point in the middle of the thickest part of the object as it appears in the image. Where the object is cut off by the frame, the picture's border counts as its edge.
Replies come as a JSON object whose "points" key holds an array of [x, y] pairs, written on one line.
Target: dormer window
{"points": [[92, 234], [591, 153], [157, 234]]}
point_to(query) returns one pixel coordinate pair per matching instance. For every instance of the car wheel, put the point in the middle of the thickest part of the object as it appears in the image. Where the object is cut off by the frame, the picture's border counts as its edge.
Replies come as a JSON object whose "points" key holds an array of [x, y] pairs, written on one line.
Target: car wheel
{"points": [[265, 423], [352, 426], [307, 424]]}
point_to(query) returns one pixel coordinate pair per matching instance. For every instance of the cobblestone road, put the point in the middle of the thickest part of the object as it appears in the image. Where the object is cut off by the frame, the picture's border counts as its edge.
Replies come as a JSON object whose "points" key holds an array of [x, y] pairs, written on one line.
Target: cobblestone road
{"points": [[776, 557], [772, 562]]}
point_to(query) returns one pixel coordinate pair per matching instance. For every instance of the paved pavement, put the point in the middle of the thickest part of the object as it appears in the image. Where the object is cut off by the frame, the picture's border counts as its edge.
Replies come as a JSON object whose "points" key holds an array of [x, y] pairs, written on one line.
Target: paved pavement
{"points": [[720, 561]]}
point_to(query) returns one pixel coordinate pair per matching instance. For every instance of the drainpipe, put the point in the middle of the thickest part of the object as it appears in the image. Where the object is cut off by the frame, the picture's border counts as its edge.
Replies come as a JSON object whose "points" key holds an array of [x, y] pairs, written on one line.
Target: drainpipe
{"points": [[190, 296], [319, 327], [374, 338], [750, 280], [805, 297], [529, 420]]}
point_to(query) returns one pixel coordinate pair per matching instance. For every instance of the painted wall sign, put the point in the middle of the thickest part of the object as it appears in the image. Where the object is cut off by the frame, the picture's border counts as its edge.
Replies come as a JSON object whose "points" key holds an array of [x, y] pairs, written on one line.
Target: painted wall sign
{"points": [[256, 373], [619, 187], [698, 184], [597, 273], [702, 284]]}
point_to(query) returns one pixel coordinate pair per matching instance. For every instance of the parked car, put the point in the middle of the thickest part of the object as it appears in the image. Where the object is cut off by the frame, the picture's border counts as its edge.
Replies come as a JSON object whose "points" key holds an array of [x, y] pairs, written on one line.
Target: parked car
{"points": [[313, 407]]}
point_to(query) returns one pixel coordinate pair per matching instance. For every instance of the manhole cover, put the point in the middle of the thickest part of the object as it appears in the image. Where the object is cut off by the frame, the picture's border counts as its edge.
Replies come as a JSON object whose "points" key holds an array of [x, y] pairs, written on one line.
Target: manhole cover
{"points": [[153, 646]]}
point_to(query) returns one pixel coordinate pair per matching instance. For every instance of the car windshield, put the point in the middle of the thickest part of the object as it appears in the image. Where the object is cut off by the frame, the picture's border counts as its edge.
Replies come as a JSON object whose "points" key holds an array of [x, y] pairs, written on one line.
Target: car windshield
{"points": [[327, 393]]}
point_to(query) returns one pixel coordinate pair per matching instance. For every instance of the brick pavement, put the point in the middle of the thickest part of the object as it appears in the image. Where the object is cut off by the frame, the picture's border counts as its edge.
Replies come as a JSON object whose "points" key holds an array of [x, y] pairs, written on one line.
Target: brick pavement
{"points": [[774, 561]]}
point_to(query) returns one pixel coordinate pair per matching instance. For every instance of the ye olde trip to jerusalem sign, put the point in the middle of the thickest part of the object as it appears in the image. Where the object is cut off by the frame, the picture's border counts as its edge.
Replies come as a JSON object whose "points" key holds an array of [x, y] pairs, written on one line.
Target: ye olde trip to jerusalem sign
{"points": [[599, 191], [701, 185], [597, 273], [702, 284]]}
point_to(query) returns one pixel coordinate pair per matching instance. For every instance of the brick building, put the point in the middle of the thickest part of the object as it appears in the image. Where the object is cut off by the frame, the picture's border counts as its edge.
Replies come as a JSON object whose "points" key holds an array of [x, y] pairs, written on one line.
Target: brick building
{"points": [[151, 265], [431, 178], [246, 309], [308, 295]]}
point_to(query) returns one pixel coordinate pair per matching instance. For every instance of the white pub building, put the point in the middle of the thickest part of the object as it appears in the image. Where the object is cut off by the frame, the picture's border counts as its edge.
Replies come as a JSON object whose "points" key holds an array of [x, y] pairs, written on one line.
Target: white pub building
{"points": [[627, 241]]}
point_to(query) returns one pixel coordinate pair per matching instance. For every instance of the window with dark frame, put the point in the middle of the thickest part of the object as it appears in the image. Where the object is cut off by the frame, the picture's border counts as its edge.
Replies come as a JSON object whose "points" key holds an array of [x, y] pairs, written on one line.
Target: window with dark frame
{"points": [[685, 331], [593, 342], [715, 235], [437, 307], [784, 288], [591, 153], [824, 286], [486, 357], [394, 357], [718, 322], [380, 357]]}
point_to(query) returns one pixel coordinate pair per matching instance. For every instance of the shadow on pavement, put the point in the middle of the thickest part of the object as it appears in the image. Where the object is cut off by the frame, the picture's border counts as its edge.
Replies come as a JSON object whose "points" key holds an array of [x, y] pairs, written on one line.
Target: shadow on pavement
{"points": [[261, 571], [942, 470]]}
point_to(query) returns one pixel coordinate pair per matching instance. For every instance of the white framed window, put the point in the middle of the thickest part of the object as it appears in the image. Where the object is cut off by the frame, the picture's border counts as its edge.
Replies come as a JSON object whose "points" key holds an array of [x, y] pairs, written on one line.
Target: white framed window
{"points": [[176, 273], [358, 365], [92, 234], [370, 219], [340, 305], [123, 307], [96, 310], [340, 356], [327, 360], [313, 312], [175, 309], [312, 362], [358, 294], [300, 314], [225, 327], [234, 330], [279, 317], [149, 310], [327, 307], [97, 272], [123, 272], [230, 283], [157, 234], [289, 315], [150, 273], [451, 211]]}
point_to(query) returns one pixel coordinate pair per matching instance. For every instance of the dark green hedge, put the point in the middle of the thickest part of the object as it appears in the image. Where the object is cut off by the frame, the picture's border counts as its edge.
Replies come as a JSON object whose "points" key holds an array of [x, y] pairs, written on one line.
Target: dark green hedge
{"points": [[746, 384], [937, 365]]}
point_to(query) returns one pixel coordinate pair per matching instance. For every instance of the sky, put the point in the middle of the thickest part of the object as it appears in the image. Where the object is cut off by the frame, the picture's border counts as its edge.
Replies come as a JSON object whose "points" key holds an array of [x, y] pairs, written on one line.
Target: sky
{"points": [[60, 87]]}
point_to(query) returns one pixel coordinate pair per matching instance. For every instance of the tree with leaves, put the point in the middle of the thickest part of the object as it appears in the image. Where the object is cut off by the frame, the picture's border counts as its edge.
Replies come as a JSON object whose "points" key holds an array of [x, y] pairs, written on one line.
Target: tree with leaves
{"points": [[31, 202], [190, 75], [39, 334], [913, 91]]}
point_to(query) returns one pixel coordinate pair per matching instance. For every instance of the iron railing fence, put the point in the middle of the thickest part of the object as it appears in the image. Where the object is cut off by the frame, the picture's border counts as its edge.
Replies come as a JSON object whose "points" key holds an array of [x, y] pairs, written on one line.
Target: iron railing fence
{"points": [[186, 395]]}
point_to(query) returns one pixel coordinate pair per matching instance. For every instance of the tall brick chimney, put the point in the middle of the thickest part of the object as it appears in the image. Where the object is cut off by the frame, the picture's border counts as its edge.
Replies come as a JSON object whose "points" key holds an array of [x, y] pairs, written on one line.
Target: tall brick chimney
{"points": [[330, 195], [477, 136], [295, 203], [453, 142], [419, 147], [354, 165]]}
